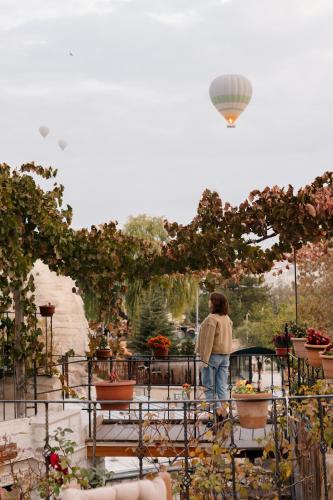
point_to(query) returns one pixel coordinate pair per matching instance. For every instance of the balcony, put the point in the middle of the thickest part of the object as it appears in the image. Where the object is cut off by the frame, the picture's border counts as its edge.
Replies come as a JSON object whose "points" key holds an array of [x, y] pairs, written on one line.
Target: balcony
{"points": [[162, 422]]}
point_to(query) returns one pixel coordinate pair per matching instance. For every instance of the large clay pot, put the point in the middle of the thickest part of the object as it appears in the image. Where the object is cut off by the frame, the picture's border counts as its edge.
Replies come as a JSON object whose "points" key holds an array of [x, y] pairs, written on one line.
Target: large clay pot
{"points": [[103, 353], [115, 391], [282, 351], [312, 352], [252, 409], [160, 352], [327, 362], [299, 348]]}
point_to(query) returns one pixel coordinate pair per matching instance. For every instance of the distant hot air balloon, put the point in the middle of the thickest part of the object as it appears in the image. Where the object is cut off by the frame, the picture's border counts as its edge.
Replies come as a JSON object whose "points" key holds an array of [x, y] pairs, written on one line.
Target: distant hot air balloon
{"points": [[62, 144], [230, 95], [44, 131]]}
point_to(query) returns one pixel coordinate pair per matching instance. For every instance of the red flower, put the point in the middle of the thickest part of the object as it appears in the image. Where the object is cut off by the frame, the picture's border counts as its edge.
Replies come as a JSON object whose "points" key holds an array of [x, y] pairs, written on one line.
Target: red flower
{"points": [[159, 341], [316, 337], [54, 460]]}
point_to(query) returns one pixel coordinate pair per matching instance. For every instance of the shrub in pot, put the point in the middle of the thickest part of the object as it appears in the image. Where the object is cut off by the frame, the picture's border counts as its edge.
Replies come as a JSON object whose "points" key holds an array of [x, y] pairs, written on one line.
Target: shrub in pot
{"points": [[160, 345], [103, 350], [113, 388], [298, 339], [282, 343], [315, 343], [252, 405], [326, 357]]}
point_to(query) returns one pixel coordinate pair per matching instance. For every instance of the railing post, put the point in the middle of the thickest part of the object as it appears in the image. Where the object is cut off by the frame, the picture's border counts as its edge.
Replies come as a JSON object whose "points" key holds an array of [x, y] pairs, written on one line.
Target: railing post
{"points": [[35, 386], [140, 450], [94, 434], [277, 450], [47, 448], [168, 398], [90, 370], [323, 447], [195, 377], [250, 370], [288, 360], [187, 477]]}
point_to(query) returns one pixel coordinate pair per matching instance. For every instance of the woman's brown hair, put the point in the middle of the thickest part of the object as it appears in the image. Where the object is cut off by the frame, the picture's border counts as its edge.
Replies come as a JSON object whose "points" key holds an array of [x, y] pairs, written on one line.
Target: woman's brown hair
{"points": [[219, 303]]}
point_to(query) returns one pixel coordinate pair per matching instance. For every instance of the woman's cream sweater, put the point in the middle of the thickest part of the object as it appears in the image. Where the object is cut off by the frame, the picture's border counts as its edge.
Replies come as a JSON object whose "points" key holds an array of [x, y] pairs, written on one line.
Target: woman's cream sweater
{"points": [[215, 336]]}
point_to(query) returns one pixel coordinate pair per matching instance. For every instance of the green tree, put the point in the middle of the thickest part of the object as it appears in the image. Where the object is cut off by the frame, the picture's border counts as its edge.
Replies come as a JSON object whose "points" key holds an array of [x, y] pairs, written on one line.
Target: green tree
{"points": [[178, 289], [152, 320], [33, 226], [263, 324], [242, 296], [145, 227]]}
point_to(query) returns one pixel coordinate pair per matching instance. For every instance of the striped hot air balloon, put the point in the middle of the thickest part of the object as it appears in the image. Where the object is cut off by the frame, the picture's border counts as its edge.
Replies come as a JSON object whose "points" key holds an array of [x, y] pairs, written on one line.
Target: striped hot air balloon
{"points": [[230, 95]]}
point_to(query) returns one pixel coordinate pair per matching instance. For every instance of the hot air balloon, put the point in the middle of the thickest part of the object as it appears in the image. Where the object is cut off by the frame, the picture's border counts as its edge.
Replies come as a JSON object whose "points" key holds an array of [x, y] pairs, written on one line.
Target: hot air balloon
{"points": [[230, 95], [62, 144], [44, 131]]}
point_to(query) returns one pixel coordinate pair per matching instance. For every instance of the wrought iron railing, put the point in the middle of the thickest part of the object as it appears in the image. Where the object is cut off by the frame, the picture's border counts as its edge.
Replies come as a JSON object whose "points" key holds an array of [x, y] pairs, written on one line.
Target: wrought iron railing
{"points": [[291, 457]]}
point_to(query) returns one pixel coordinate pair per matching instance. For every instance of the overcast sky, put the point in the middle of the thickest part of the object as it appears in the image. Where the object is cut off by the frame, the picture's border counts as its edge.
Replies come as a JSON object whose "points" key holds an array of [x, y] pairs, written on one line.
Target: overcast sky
{"points": [[133, 104]]}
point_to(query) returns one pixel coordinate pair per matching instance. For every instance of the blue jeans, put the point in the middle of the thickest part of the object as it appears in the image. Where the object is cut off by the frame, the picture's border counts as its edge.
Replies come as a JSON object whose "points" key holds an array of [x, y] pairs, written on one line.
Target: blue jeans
{"points": [[218, 368]]}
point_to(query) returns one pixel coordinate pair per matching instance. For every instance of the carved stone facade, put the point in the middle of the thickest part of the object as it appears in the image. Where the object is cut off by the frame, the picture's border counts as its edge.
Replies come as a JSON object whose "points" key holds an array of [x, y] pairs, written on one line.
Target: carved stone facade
{"points": [[70, 326]]}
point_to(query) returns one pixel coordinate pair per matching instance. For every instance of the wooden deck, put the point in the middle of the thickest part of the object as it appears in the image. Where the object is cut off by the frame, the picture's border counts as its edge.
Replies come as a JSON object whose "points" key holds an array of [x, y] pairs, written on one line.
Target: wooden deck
{"points": [[163, 440]]}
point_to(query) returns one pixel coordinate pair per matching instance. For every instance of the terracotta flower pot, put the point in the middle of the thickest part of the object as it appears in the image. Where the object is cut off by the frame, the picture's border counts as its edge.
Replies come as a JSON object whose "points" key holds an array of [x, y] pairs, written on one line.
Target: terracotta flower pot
{"points": [[115, 391], [312, 352], [252, 409], [161, 352], [299, 348], [47, 311], [327, 362], [282, 351], [103, 353]]}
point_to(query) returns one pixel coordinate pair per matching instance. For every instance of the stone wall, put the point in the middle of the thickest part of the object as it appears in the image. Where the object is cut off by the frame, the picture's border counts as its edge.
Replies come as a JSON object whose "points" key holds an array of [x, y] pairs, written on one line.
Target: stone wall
{"points": [[70, 326], [29, 435]]}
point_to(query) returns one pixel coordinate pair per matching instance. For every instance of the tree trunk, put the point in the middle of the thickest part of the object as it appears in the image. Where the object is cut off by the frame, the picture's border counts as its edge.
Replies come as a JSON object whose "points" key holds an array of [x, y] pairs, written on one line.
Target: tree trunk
{"points": [[19, 364]]}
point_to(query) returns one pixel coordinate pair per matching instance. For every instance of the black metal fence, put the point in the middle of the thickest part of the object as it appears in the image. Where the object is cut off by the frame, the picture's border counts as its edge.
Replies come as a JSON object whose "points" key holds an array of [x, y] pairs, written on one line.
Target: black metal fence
{"points": [[291, 457]]}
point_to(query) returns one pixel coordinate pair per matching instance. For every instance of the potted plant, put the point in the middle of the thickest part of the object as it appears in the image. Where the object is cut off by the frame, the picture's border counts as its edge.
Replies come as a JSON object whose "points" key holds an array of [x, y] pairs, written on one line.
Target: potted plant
{"points": [[186, 391], [252, 405], [327, 361], [282, 343], [315, 342], [114, 389], [103, 350], [298, 339], [160, 345], [47, 310]]}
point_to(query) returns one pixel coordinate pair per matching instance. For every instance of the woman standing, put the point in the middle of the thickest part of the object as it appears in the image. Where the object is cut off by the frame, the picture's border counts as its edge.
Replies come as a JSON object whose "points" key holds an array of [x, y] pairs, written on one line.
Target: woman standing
{"points": [[214, 346]]}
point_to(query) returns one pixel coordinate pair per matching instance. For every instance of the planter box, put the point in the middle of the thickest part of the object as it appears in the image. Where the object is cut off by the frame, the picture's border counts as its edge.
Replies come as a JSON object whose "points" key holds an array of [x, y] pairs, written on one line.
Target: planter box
{"points": [[299, 348], [252, 409], [282, 351], [327, 363], [47, 311], [103, 353], [115, 391], [313, 351], [159, 352]]}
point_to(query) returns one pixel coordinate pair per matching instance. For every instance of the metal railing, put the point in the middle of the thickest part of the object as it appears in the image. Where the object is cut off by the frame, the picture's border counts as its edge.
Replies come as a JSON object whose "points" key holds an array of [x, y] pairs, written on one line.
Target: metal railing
{"points": [[265, 371], [289, 458]]}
